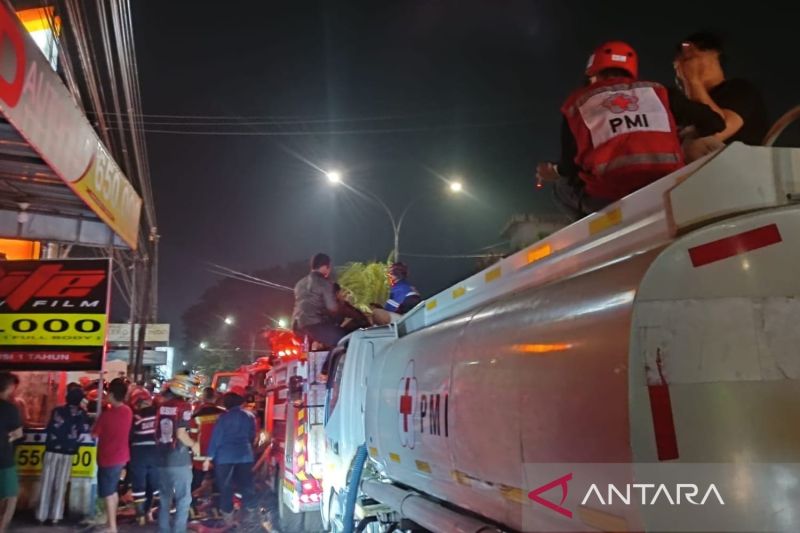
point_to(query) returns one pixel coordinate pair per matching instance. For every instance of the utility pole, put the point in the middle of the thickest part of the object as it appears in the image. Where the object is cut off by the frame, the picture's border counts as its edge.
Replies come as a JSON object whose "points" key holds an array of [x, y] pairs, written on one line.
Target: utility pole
{"points": [[133, 318], [146, 314]]}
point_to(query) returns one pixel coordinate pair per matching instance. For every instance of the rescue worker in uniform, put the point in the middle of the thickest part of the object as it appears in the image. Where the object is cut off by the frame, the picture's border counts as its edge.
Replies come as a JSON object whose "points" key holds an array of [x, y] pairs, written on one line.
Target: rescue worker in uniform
{"points": [[619, 133], [175, 446], [143, 468], [402, 295], [200, 428]]}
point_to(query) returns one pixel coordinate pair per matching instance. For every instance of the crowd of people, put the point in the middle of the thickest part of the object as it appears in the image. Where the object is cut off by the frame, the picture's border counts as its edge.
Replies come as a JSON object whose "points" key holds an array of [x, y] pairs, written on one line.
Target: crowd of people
{"points": [[166, 448]]}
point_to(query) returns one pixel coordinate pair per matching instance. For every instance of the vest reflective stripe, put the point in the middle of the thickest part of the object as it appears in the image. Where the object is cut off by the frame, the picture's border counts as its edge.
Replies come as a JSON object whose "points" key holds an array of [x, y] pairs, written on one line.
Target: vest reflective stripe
{"points": [[625, 136], [637, 159]]}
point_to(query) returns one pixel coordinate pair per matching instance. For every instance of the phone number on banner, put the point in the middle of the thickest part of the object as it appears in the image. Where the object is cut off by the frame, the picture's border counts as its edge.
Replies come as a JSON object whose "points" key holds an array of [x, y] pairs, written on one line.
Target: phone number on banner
{"points": [[30, 460]]}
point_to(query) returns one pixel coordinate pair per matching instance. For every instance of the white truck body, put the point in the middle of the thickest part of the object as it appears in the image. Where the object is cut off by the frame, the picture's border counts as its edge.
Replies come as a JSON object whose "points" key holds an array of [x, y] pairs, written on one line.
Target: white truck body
{"points": [[661, 329]]}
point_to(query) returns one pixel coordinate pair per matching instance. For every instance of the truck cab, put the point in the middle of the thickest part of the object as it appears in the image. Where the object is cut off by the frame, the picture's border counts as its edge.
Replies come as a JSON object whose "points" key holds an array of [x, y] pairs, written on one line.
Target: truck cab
{"points": [[345, 408]]}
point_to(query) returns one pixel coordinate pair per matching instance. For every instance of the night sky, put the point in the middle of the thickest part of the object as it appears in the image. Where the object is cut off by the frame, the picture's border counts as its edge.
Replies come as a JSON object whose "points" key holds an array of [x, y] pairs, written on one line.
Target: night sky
{"points": [[450, 88]]}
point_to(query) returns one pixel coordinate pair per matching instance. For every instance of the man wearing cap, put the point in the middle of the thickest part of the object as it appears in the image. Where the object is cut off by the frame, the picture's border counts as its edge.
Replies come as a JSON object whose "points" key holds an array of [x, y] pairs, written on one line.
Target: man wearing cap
{"points": [[698, 67], [315, 304], [620, 133]]}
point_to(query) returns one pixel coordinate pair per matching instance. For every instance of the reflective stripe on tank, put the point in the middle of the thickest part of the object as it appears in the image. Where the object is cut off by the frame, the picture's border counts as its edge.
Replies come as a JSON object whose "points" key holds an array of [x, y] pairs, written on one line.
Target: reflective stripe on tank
{"points": [[720, 249]]}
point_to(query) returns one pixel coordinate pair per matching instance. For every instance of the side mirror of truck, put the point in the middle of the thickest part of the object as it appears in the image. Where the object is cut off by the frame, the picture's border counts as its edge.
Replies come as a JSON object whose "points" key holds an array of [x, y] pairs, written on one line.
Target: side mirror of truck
{"points": [[295, 389]]}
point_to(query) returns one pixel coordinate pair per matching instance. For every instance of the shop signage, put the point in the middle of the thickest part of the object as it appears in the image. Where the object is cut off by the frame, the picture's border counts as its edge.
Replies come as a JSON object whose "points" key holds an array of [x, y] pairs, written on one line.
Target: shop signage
{"points": [[41, 108], [29, 456], [53, 314], [121, 333]]}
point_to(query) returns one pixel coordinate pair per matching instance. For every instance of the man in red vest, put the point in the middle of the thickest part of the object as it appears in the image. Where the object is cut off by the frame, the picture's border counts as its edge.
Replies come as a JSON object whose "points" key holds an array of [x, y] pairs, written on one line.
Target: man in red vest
{"points": [[201, 427], [619, 133]]}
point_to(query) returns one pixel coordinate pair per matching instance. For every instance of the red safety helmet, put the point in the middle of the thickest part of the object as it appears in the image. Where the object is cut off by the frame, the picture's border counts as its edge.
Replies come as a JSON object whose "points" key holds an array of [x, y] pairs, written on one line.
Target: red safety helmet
{"points": [[139, 394], [613, 54]]}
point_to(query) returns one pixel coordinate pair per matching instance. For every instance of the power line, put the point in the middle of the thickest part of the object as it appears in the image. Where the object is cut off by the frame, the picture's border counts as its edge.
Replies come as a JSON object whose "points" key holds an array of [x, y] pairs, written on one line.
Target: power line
{"points": [[371, 131], [241, 276], [309, 119]]}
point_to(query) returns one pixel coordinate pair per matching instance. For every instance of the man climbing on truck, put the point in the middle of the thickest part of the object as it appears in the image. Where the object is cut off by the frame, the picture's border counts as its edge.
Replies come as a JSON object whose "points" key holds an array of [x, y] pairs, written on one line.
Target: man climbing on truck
{"points": [[619, 133], [315, 304]]}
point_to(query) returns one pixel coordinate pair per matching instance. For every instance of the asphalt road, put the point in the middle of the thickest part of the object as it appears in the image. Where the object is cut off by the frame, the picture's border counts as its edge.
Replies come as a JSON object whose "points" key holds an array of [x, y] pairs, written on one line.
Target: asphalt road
{"points": [[24, 522]]}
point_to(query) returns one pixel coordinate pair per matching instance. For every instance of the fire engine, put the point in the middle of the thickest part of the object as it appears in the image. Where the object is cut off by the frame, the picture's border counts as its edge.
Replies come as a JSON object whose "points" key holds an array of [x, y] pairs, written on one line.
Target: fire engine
{"points": [[293, 420], [662, 329]]}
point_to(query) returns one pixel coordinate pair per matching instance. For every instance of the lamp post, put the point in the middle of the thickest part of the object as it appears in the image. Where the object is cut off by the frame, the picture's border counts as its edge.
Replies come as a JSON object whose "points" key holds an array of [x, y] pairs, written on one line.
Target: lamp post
{"points": [[455, 186]]}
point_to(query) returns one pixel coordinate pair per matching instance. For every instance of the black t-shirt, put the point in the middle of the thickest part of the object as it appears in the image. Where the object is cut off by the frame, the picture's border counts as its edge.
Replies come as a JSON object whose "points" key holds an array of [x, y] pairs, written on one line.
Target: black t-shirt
{"points": [[9, 421], [742, 97]]}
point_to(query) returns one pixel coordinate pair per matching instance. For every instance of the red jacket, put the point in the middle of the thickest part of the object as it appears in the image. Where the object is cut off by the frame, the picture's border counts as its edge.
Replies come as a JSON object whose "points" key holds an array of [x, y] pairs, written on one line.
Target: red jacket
{"points": [[202, 426], [625, 134]]}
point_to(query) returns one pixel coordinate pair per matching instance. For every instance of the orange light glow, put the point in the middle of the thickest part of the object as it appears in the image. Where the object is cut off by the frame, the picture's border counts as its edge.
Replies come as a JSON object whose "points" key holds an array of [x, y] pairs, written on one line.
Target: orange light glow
{"points": [[542, 348], [38, 19], [16, 249], [539, 252]]}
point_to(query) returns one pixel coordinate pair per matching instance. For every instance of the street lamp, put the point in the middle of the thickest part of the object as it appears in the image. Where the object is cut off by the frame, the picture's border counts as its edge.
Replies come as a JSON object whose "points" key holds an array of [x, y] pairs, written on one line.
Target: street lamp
{"points": [[229, 320], [185, 363], [203, 345], [281, 322], [455, 186], [334, 177]]}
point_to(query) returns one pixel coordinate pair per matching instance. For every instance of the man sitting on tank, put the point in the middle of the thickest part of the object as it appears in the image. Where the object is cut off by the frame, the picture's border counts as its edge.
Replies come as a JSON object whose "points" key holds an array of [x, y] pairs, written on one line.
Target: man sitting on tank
{"points": [[619, 133], [403, 296], [315, 305]]}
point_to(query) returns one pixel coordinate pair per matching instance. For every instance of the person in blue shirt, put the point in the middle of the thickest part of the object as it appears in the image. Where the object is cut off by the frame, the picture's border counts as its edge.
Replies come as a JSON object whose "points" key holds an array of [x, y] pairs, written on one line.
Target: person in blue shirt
{"points": [[231, 451], [402, 295]]}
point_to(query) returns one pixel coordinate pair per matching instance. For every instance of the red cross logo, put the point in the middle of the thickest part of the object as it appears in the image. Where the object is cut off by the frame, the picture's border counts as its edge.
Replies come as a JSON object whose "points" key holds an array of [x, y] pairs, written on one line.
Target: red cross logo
{"points": [[406, 395], [621, 102], [406, 405]]}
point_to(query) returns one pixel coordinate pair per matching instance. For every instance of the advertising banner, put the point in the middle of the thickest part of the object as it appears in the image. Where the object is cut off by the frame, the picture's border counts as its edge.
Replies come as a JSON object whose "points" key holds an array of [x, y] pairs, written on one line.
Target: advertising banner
{"points": [[53, 314], [41, 108], [149, 357], [121, 333], [29, 455]]}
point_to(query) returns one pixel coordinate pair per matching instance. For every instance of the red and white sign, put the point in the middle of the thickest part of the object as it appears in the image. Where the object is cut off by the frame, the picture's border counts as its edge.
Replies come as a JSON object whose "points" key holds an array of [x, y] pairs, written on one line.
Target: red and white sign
{"points": [[406, 402], [38, 104], [609, 115]]}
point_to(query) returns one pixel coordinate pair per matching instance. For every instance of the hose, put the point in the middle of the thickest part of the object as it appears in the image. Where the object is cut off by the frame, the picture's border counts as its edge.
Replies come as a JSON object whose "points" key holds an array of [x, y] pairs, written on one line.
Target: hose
{"points": [[352, 489]]}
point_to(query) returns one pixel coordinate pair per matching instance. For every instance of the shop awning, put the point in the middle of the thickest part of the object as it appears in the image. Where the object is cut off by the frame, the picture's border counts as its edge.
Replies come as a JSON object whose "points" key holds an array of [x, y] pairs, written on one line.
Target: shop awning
{"points": [[58, 181]]}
